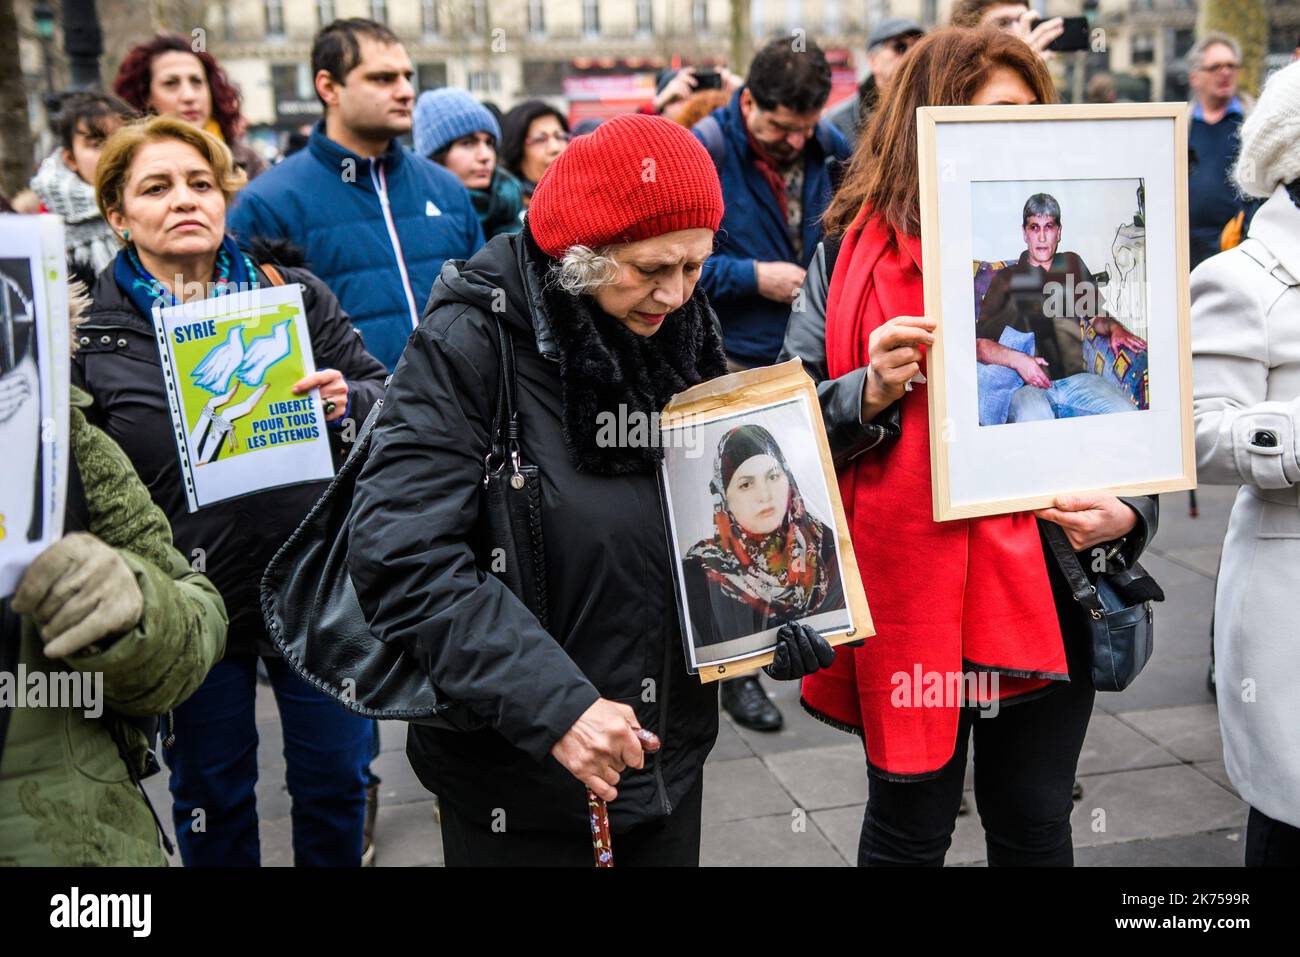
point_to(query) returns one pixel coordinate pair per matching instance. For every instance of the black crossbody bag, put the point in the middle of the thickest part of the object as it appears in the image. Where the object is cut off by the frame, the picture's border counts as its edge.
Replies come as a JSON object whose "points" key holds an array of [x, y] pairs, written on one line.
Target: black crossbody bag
{"points": [[311, 609], [1120, 628]]}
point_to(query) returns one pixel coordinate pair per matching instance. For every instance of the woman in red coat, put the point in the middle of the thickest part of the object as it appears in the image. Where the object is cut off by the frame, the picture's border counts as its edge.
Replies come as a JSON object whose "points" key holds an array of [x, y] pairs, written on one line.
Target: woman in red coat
{"points": [[967, 612]]}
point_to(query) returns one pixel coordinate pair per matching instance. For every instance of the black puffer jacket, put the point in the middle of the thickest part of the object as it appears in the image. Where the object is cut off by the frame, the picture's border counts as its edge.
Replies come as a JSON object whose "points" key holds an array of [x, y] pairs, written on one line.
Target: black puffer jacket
{"points": [[614, 629], [117, 363]]}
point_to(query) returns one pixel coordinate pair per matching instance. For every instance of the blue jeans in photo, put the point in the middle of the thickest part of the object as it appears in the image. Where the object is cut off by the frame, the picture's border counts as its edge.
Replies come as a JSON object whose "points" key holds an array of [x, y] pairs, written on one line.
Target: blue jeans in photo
{"points": [[213, 763], [995, 384], [1076, 395]]}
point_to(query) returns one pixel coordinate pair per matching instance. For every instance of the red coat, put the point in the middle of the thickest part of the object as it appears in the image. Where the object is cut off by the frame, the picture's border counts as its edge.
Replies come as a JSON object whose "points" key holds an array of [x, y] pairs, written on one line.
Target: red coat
{"points": [[954, 603]]}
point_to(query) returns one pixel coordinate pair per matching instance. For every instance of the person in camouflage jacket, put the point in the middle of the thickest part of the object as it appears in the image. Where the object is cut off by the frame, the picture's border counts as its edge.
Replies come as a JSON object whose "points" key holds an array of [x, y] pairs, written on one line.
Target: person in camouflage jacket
{"points": [[66, 793]]}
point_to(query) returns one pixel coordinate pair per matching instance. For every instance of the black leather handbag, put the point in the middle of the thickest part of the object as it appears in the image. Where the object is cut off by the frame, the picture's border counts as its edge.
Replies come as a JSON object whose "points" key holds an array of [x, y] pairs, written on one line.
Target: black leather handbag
{"points": [[509, 534], [1119, 614], [311, 609]]}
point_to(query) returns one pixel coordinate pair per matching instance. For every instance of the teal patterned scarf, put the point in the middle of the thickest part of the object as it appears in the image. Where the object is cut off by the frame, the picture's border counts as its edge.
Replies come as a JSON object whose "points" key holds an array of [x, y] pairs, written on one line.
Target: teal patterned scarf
{"points": [[232, 272]]}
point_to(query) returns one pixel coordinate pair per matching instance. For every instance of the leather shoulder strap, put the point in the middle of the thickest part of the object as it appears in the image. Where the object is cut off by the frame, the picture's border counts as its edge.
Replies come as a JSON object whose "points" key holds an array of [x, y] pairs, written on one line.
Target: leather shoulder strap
{"points": [[272, 274], [361, 445], [710, 131], [509, 415], [1085, 593], [831, 252], [505, 417]]}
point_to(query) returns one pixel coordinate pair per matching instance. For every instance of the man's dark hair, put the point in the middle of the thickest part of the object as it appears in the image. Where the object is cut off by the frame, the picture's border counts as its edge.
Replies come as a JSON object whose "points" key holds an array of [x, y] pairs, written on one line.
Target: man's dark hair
{"points": [[781, 76], [337, 49], [1041, 204], [967, 13], [90, 109]]}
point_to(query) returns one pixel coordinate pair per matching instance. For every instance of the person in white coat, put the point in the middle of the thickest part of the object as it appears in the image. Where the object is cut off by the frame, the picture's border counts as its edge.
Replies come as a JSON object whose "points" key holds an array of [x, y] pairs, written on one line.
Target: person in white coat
{"points": [[1246, 370]]}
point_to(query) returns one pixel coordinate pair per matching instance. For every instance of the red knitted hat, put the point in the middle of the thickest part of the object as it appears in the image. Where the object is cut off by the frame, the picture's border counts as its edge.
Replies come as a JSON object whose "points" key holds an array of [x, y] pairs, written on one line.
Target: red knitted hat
{"points": [[633, 177]]}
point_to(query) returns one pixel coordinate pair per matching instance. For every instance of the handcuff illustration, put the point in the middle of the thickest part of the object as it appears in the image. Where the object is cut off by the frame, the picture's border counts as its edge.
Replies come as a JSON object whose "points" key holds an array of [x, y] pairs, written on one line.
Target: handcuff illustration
{"points": [[232, 360], [209, 436]]}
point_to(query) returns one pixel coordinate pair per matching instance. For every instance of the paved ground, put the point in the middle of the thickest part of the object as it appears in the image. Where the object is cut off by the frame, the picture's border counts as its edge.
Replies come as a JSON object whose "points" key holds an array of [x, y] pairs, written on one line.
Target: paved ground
{"points": [[1155, 791]]}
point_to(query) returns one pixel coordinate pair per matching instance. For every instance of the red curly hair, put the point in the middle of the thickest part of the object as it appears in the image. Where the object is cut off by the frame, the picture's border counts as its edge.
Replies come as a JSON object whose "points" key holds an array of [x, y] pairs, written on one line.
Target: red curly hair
{"points": [[135, 76]]}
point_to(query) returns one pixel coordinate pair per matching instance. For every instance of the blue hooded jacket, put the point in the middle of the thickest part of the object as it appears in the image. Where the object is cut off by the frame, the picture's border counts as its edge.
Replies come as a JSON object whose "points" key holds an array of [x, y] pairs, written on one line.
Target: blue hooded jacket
{"points": [[753, 230], [377, 232]]}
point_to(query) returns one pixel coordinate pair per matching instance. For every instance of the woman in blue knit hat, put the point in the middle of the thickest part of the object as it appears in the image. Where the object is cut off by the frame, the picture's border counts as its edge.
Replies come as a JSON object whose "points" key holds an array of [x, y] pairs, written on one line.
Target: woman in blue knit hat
{"points": [[456, 131]]}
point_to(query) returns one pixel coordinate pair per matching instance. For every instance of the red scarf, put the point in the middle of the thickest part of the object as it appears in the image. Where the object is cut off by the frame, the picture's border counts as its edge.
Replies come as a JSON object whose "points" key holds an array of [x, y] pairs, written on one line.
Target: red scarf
{"points": [[771, 172], [946, 597]]}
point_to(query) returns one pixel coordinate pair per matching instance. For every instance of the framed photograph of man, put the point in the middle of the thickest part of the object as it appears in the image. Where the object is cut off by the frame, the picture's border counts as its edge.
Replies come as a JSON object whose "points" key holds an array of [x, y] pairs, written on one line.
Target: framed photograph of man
{"points": [[1055, 248], [755, 520]]}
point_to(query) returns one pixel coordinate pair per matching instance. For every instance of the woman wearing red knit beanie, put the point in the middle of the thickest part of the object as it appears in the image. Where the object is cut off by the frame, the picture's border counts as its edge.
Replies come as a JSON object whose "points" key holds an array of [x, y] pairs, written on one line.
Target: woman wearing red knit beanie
{"points": [[598, 300]]}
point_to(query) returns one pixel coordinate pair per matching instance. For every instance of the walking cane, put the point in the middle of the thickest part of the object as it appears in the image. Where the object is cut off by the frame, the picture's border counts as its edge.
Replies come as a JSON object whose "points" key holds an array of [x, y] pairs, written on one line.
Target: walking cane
{"points": [[599, 811]]}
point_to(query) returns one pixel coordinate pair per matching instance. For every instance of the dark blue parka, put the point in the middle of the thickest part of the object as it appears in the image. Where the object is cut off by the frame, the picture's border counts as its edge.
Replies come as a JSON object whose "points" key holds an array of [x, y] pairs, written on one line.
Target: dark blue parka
{"points": [[375, 231]]}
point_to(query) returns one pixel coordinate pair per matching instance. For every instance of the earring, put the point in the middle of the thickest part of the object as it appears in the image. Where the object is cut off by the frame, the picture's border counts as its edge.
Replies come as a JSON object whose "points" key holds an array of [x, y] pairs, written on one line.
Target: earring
{"points": [[126, 235]]}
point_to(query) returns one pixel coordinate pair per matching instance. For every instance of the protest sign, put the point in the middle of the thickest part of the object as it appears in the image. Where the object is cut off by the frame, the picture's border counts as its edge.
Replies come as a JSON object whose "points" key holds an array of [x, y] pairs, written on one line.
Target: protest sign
{"points": [[753, 511], [34, 379], [229, 363]]}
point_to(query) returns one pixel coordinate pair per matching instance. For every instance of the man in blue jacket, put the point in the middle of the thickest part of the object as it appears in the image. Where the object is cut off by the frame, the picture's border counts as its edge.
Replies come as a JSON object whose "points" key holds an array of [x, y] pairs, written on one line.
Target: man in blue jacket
{"points": [[773, 156], [375, 220], [1213, 137]]}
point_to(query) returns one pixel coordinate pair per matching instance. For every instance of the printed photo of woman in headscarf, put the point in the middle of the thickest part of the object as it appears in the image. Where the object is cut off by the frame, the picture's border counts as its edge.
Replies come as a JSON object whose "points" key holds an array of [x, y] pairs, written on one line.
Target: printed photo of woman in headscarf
{"points": [[769, 560]]}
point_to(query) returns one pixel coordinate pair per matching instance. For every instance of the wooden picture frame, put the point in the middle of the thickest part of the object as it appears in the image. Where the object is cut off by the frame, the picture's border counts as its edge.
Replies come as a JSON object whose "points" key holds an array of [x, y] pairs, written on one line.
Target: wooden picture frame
{"points": [[972, 156], [765, 396]]}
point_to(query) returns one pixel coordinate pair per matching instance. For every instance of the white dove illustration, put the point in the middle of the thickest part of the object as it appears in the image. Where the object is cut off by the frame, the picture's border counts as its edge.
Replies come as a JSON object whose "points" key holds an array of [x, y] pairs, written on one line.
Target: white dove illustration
{"points": [[214, 372], [264, 352]]}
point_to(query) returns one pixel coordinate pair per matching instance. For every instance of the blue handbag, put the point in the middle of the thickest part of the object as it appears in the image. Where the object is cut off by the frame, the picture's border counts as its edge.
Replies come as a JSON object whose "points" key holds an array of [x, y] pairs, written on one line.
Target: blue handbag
{"points": [[1118, 605]]}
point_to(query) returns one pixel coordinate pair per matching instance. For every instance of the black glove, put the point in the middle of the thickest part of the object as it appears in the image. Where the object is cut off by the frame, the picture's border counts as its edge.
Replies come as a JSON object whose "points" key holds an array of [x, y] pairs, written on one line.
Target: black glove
{"points": [[799, 652]]}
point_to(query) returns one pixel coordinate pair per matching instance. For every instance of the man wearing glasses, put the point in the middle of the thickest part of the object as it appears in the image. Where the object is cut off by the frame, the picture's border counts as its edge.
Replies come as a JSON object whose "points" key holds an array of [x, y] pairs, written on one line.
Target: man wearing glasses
{"points": [[1214, 66], [886, 44], [772, 152]]}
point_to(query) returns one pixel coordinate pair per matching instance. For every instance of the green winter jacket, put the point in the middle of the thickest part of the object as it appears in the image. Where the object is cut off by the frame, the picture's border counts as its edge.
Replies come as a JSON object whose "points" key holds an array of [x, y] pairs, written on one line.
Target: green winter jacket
{"points": [[65, 795]]}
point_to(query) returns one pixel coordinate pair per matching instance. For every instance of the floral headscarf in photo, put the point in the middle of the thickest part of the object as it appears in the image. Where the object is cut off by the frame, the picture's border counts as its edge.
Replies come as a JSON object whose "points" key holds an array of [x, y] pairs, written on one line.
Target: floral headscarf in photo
{"points": [[781, 573]]}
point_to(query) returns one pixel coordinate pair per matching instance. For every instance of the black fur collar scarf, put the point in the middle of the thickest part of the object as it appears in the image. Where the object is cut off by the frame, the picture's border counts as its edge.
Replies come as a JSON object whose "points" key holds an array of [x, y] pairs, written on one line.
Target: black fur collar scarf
{"points": [[611, 379]]}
